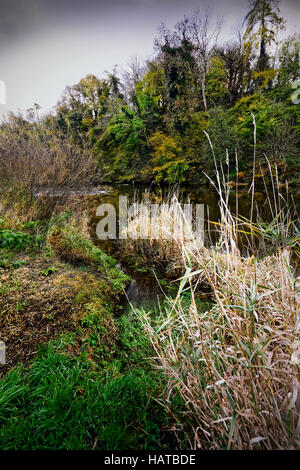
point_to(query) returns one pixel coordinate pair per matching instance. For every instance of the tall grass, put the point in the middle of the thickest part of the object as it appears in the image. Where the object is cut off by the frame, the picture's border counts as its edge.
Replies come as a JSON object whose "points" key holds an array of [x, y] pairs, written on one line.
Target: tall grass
{"points": [[160, 233], [236, 365]]}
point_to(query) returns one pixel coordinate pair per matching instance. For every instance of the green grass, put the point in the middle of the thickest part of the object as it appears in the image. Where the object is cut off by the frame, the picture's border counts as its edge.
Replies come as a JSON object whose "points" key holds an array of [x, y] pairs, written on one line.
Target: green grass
{"points": [[60, 403], [50, 270], [94, 387], [102, 397], [135, 345], [14, 240], [21, 236]]}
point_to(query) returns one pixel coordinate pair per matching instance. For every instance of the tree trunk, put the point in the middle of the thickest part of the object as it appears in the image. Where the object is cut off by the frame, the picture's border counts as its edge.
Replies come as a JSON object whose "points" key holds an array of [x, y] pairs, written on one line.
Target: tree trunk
{"points": [[203, 92]]}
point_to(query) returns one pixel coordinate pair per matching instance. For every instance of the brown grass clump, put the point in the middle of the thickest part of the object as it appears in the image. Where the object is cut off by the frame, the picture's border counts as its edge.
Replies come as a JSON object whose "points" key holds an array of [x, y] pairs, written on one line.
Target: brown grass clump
{"points": [[159, 238], [236, 366]]}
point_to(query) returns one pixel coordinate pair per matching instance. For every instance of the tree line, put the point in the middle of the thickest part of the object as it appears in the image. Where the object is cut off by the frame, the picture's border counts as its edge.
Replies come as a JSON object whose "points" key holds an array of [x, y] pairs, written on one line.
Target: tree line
{"points": [[148, 123]]}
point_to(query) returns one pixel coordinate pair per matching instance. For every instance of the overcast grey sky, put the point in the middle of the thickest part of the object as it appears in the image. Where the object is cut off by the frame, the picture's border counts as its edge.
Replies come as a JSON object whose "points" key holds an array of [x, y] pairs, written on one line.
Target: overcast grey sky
{"points": [[48, 44]]}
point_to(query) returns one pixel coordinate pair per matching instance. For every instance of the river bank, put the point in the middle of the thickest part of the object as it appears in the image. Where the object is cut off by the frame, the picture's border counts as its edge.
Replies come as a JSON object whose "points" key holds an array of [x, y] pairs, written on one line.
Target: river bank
{"points": [[78, 362], [171, 370]]}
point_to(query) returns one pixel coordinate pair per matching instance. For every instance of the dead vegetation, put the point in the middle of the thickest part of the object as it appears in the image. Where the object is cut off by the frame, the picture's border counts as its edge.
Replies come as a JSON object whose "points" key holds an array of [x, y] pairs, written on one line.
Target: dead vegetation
{"points": [[236, 366], [44, 163]]}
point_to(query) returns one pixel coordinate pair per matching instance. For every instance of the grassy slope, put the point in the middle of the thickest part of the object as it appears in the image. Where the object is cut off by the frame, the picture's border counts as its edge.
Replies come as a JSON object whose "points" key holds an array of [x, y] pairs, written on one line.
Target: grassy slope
{"points": [[90, 386]]}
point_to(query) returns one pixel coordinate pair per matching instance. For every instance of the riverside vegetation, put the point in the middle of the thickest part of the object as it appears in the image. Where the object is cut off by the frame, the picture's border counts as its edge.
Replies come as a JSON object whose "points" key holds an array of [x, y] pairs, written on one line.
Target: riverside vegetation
{"points": [[215, 364], [90, 382], [148, 123]]}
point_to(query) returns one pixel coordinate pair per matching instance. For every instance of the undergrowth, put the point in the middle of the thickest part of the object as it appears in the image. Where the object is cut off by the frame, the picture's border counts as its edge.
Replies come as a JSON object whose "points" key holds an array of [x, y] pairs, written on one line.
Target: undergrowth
{"points": [[92, 386], [59, 403]]}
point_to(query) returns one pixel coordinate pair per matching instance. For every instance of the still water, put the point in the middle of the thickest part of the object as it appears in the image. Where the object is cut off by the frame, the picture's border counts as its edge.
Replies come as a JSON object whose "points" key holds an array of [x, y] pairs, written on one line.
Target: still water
{"points": [[144, 288]]}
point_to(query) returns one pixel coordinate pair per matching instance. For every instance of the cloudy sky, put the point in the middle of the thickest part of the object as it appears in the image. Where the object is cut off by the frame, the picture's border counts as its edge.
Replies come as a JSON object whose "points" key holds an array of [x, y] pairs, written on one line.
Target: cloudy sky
{"points": [[48, 44]]}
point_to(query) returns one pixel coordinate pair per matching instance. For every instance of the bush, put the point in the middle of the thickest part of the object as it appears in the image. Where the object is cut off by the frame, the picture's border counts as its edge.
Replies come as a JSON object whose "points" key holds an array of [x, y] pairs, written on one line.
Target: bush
{"points": [[32, 159]]}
